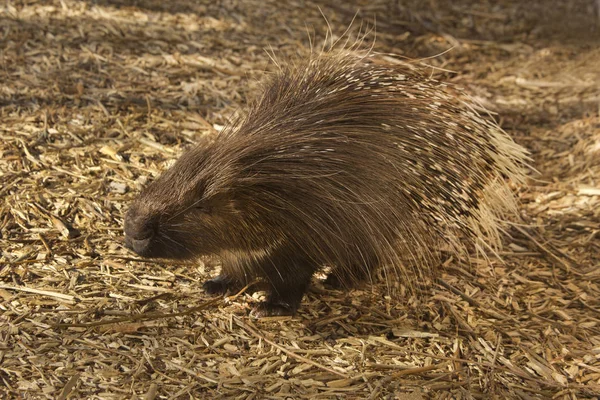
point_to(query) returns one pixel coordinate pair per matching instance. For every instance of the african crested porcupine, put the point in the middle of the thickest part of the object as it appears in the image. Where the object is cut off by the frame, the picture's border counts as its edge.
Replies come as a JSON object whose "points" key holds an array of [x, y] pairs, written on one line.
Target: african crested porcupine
{"points": [[342, 162]]}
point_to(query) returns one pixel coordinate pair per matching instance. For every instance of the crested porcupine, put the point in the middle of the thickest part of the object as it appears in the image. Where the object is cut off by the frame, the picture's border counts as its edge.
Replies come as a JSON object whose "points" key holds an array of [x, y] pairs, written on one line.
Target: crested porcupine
{"points": [[342, 162]]}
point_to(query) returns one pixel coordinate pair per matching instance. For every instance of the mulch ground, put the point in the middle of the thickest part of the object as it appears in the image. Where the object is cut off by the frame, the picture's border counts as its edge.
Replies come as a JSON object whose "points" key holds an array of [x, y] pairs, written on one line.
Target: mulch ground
{"points": [[97, 97]]}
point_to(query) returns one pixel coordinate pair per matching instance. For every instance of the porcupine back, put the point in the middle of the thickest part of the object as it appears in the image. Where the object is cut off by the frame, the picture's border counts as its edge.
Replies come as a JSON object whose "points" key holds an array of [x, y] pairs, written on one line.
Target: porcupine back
{"points": [[362, 165]]}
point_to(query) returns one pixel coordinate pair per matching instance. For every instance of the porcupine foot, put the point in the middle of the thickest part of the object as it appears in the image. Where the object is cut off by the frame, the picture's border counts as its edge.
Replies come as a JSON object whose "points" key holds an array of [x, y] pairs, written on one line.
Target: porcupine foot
{"points": [[219, 285], [286, 303], [343, 278], [267, 309], [289, 273], [334, 282]]}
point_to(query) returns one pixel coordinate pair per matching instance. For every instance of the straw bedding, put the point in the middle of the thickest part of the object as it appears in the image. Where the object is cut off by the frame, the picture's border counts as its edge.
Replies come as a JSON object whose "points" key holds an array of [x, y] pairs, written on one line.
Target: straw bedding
{"points": [[98, 97]]}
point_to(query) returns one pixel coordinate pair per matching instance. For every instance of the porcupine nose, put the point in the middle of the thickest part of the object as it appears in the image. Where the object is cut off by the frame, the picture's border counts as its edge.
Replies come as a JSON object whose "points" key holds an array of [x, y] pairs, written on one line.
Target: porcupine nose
{"points": [[140, 230]]}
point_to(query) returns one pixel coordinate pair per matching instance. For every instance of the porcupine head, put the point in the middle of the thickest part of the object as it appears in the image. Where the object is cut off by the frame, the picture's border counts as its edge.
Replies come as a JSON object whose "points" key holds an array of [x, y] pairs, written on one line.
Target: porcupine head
{"points": [[340, 162]]}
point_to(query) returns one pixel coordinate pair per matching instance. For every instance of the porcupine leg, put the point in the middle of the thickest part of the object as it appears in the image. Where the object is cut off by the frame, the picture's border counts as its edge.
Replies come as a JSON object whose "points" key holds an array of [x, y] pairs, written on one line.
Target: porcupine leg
{"points": [[225, 282], [288, 273]]}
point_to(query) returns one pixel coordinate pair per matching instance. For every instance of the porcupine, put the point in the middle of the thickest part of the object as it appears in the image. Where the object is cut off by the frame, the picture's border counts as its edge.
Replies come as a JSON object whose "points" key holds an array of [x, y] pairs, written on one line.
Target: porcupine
{"points": [[342, 161]]}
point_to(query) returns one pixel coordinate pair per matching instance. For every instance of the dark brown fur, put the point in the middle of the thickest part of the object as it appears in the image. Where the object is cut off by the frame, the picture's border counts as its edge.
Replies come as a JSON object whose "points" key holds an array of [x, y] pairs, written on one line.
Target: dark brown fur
{"points": [[340, 162]]}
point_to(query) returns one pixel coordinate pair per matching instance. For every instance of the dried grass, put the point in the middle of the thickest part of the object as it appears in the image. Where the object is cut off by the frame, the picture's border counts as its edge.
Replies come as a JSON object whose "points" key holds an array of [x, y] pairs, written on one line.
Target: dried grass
{"points": [[97, 97]]}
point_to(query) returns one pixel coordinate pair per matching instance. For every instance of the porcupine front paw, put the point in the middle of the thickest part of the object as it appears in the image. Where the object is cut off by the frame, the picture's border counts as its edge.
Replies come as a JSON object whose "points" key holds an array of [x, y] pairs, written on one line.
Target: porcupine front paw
{"points": [[219, 285], [268, 309], [280, 303]]}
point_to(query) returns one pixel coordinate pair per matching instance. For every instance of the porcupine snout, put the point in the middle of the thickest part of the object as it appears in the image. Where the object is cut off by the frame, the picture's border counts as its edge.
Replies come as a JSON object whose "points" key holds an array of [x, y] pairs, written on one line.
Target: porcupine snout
{"points": [[140, 231]]}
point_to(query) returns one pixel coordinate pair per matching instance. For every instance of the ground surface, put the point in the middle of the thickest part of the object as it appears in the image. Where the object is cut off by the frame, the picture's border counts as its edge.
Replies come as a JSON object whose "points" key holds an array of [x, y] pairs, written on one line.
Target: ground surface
{"points": [[97, 96]]}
